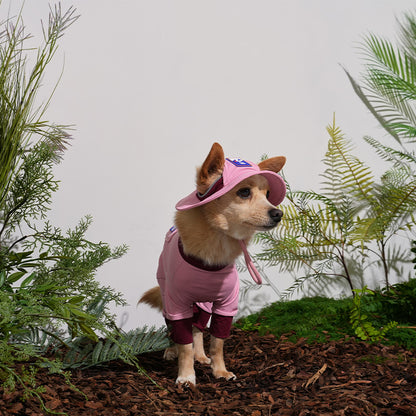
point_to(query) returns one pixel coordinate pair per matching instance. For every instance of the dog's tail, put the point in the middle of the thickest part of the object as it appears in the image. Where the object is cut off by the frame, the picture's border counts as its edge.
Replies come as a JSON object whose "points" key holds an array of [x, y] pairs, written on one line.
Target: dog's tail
{"points": [[152, 297]]}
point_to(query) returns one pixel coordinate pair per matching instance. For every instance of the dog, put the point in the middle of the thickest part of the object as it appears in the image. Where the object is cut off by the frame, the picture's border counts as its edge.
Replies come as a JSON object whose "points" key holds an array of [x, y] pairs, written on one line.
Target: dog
{"points": [[197, 276]]}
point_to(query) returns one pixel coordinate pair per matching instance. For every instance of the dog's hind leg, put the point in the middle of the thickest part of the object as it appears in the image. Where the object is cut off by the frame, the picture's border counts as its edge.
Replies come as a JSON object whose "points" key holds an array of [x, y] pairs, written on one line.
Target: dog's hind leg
{"points": [[216, 351], [199, 350], [171, 353]]}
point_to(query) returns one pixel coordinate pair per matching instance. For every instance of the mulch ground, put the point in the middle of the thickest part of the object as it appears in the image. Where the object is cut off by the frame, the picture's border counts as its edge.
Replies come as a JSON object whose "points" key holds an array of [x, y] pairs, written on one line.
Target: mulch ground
{"points": [[274, 377]]}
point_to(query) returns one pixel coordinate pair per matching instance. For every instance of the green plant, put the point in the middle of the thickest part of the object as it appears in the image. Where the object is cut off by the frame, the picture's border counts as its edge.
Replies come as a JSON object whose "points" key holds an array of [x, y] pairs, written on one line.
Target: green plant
{"points": [[49, 301], [49, 297], [396, 302], [376, 312], [25, 137], [361, 325], [332, 237], [83, 353], [388, 88]]}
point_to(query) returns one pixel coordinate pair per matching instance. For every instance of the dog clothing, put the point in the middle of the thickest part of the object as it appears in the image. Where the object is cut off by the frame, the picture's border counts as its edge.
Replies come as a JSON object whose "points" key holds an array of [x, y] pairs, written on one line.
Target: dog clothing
{"points": [[183, 285], [192, 292]]}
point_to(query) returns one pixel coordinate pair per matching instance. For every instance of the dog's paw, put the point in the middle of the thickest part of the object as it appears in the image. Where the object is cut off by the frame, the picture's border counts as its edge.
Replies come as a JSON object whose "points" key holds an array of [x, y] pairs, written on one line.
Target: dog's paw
{"points": [[170, 353], [203, 359], [228, 375], [186, 381]]}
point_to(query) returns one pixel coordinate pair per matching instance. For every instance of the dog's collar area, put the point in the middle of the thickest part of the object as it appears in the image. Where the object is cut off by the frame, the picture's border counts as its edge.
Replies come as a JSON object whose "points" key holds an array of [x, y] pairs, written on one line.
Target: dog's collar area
{"points": [[197, 262], [215, 187]]}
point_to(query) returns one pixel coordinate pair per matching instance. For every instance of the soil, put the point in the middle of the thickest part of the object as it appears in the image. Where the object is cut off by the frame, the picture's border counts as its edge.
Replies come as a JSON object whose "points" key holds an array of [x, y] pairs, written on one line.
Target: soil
{"points": [[274, 377]]}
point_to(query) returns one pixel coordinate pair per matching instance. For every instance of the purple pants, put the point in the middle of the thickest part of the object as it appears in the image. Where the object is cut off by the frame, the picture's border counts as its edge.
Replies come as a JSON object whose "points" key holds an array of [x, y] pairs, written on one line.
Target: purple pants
{"points": [[180, 331]]}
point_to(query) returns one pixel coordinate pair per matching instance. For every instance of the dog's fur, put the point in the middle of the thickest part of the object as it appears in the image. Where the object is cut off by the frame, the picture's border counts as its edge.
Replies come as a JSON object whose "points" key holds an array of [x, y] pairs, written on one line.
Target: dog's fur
{"points": [[211, 233]]}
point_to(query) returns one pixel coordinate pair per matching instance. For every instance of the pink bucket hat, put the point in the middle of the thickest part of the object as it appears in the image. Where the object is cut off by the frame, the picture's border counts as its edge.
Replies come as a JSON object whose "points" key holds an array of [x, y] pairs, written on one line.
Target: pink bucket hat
{"points": [[235, 171]]}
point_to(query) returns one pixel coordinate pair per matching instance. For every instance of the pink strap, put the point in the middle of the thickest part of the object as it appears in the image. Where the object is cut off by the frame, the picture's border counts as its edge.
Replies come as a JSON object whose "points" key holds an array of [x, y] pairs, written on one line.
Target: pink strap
{"points": [[250, 265]]}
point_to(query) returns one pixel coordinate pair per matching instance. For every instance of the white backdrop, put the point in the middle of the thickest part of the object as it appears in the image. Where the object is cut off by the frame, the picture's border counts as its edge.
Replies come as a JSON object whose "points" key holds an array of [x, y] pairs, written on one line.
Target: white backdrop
{"points": [[149, 84]]}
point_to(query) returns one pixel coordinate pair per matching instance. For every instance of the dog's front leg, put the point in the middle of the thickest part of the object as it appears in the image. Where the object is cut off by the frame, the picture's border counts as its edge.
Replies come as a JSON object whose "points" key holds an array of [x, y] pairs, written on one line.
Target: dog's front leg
{"points": [[199, 350], [216, 352], [186, 373]]}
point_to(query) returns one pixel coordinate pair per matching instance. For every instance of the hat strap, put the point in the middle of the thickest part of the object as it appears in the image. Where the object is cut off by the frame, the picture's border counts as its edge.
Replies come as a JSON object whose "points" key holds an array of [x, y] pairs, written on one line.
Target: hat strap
{"points": [[250, 265]]}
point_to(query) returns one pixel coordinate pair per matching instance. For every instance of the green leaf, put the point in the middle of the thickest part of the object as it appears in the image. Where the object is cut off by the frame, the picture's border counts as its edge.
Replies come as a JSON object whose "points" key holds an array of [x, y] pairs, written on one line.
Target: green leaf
{"points": [[2, 278], [26, 282], [14, 277], [76, 299], [78, 312], [46, 287], [88, 331]]}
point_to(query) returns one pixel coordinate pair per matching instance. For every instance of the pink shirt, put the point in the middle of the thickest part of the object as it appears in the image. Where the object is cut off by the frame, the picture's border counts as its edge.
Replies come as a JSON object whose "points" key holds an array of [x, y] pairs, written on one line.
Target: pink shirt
{"points": [[182, 284]]}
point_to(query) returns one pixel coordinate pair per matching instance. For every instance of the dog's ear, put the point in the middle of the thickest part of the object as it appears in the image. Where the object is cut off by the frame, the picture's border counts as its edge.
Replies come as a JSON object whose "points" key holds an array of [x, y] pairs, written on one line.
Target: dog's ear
{"points": [[275, 164], [211, 169]]}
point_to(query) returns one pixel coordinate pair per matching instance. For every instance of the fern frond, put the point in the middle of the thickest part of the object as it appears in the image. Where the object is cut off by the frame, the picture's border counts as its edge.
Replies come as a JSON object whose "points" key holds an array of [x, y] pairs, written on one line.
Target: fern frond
{"points": [[82, 353], [345, 172], [395, 201], [297, 286], [402, 201], [313, 284], [399, 158]]}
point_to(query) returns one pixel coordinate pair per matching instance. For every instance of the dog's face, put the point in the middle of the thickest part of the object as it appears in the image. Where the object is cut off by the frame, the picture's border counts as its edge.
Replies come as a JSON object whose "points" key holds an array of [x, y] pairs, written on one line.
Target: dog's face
{"points": [[244, 209]]}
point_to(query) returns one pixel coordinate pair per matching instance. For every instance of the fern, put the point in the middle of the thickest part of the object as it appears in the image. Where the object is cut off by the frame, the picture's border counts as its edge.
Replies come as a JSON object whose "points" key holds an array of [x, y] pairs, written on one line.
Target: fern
{"points": [[83, 353], [327, 234], [397, 157], [345, 173]]}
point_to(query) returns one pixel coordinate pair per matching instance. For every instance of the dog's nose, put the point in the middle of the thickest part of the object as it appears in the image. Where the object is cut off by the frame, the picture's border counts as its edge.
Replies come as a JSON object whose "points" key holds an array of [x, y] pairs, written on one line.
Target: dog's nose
{"points": [[276, 215]]}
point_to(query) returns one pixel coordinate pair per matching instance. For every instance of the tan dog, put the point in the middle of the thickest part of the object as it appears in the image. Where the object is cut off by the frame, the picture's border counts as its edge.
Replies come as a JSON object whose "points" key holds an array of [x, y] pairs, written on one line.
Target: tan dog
{"points": [[234, 198]]}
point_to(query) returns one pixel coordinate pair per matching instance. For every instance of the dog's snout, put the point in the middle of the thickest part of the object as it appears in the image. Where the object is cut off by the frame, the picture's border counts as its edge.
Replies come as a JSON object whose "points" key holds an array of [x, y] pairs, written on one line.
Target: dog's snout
{"points": [[276, 215]]}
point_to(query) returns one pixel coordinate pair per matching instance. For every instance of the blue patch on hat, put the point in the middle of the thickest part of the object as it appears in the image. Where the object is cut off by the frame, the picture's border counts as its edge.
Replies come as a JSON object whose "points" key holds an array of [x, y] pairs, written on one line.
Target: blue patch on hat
{"points": [[172, 229], [239, 162]]}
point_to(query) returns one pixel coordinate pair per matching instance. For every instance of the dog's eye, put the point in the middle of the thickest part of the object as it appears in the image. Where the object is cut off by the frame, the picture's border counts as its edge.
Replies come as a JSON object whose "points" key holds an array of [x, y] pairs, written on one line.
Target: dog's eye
{"points": [[244, 193], [267, 194]]}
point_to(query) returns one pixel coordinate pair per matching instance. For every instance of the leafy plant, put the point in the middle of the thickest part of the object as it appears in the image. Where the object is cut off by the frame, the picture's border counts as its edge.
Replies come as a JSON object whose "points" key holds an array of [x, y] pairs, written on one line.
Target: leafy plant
{"points": [[361, 325], [334, 236], [397, 302], [50, 300], [385, 309], [389, 82], [83, 353], [23, 191]]}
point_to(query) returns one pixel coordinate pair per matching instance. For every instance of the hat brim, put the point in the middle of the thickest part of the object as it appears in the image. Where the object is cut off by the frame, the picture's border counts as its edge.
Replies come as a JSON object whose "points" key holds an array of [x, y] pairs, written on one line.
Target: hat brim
{"points": [[277, 190]]}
